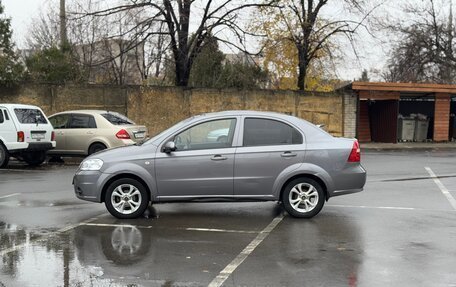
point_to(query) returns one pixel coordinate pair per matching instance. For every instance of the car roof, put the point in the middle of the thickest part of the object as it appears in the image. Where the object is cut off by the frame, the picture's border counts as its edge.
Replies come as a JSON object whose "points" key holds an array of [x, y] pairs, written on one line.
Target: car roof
{"points": [[19, 106], [89, 112], [249, 113]]}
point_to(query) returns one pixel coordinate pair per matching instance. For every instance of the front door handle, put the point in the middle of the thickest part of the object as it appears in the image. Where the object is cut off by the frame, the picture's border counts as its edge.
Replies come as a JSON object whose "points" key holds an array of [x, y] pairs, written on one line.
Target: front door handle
{"points": [[218, 157], [288, 154]]}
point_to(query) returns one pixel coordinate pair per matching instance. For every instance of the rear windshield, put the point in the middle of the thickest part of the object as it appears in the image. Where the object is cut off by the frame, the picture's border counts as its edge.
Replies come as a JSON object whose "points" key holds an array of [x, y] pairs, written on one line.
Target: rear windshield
{"points": [[30, 116], [117, 119]]}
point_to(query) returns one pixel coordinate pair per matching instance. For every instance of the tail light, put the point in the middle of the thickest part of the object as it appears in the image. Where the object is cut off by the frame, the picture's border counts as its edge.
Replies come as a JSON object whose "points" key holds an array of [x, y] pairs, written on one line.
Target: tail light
{"points": [[52, 136], [355, 154], [20, 137], [123, 135]]}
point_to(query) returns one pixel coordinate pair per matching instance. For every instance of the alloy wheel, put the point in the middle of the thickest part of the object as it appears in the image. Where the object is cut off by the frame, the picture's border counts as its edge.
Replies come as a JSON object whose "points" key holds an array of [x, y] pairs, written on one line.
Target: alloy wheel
{"points": [[126, 198]]}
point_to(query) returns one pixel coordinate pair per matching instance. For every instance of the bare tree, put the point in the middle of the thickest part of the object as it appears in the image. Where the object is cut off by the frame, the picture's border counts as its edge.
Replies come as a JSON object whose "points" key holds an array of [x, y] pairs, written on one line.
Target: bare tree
{"points": [[186, 38], [106, 47], [302, 23], [424, 51]]}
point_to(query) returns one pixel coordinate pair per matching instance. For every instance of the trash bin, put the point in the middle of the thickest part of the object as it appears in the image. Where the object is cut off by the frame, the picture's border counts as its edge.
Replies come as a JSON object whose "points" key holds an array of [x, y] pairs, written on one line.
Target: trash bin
{"points": [[406, 129], [421, 129]]}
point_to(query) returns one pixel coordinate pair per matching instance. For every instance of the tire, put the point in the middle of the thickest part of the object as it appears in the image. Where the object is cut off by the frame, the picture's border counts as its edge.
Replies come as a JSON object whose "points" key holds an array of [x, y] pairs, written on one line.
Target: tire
{"points": [[126, 190], [4, 156], [96, 147], [34, 158], [303, 197]]}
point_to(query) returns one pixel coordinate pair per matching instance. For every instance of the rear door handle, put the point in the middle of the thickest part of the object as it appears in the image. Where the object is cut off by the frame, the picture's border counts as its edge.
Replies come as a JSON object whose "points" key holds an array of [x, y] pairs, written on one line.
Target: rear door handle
{"points": [[218, 157], [90, 133], [288, 154]]}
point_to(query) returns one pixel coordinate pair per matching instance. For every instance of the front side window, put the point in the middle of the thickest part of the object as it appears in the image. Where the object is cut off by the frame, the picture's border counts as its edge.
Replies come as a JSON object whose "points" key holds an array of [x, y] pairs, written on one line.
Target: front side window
{"points": [[207, 135], [1, 117], [82, 122], [264, 132], [59, 121], [30, 116]]}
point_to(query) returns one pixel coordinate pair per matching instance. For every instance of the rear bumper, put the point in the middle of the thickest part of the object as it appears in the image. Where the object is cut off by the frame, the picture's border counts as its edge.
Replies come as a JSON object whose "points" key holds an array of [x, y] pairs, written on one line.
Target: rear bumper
{"points": [[30, 147], [352, 180]]}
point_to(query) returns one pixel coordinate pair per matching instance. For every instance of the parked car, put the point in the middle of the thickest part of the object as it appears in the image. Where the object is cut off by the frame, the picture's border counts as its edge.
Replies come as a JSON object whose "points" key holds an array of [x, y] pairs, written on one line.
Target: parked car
{"points": [[266, 157], [25, 133], [86, 132]]}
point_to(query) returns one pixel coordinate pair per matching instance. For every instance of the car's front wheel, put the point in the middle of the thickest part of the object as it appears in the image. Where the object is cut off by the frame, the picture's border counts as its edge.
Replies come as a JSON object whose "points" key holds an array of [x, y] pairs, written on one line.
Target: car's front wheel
{"points": [[303, 197], [126, 198]]}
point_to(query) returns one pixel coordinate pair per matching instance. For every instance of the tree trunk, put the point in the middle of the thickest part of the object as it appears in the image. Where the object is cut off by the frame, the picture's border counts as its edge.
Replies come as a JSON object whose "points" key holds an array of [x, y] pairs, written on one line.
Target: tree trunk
{"points": [[302, 68], [182, 73]]}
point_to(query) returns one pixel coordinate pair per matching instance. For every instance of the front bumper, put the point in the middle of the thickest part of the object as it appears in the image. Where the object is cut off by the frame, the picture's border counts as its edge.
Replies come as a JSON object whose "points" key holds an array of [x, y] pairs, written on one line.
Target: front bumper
{"points": [[88, 185]]}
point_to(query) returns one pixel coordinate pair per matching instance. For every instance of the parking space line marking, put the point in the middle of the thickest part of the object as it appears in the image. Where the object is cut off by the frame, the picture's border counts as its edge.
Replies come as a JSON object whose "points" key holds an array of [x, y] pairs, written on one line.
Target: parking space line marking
{"points": [[442, 187], [375, 207], [9, 195], [187, 228], [230, 268], [221, 230], [116, 225], [43, 238]]}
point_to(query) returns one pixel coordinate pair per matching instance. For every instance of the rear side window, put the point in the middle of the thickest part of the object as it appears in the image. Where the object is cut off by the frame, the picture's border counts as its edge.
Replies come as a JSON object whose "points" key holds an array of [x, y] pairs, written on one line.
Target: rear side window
{"points": [[117, 119], [1, 117], [263, 132], [6, 115], [82, 122], [30, 116], [60, 121]]}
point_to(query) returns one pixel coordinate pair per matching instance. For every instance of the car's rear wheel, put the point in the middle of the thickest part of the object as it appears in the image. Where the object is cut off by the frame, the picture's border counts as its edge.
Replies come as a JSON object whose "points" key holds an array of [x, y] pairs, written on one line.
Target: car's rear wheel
{"points": [[126, 198], [4, 156], [34, 158], [96, 147], [303, 197]]}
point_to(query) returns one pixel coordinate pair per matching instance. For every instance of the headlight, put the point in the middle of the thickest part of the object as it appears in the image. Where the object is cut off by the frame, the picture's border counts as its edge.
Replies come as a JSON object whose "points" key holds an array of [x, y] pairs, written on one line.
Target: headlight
{"points": [[91, 164]]}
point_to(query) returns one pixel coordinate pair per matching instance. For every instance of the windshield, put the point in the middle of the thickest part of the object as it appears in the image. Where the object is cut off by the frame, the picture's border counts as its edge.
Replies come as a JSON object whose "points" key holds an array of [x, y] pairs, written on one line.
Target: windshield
{"points": [[30, 116], [169, 130], [117, 119]]}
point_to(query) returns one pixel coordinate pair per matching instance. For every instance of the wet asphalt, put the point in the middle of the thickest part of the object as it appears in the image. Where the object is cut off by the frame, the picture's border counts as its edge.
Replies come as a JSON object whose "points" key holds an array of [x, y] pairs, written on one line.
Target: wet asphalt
{"points": [[401, 231]]}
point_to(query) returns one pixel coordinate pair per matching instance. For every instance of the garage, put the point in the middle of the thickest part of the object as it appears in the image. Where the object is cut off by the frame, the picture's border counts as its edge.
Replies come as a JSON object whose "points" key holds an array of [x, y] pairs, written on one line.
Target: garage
{"points": [[398, 112]]}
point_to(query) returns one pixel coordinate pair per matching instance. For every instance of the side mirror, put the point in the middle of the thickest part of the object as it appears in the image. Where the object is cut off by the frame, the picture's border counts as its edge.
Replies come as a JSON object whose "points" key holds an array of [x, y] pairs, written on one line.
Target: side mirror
{"points": [[169, 147]]}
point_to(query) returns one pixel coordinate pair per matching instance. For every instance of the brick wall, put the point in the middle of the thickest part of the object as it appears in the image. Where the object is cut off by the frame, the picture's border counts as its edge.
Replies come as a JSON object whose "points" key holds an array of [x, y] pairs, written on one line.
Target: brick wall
{"points": [[350, 115]]}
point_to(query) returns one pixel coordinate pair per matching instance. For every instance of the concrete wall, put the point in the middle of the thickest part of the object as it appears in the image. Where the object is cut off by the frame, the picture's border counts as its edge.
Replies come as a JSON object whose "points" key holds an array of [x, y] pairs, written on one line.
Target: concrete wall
{"points": [[161, 107]]}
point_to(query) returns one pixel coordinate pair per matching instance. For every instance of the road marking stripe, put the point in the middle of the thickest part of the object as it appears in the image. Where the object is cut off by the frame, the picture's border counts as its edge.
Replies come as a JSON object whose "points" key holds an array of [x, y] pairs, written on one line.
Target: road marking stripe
{"points": [[116, 225], [442, 187], [43, 238], [375, 207], [9, 195], [220, 230], [230, 268], [187, 229]]}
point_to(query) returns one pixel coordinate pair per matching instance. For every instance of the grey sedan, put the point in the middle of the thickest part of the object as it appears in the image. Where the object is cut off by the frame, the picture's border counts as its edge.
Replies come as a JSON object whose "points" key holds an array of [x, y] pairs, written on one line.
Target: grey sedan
{"points": [[265, 157]]}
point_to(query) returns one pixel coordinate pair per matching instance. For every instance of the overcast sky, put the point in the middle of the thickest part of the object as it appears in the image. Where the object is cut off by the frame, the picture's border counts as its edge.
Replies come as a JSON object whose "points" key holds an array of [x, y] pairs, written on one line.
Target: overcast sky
{"points": [[21, 12], [371, 52]]}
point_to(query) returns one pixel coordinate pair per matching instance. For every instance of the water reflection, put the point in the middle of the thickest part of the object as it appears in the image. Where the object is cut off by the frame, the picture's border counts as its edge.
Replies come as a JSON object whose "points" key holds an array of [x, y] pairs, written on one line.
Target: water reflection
{"points": [[74, 258], [118, 254]]}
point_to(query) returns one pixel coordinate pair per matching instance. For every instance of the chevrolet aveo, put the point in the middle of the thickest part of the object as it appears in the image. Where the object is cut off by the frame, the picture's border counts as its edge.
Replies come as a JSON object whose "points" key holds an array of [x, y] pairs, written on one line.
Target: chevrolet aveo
{"points": [[226, 156]]}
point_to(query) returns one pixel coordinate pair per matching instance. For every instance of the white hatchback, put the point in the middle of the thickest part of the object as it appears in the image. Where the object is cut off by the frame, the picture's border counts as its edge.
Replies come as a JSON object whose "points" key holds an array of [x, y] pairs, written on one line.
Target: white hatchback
{"points": [[25, 133]]}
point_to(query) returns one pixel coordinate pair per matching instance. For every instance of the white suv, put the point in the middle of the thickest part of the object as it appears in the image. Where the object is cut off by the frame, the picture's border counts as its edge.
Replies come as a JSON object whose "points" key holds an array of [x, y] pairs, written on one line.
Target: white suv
{"points": [[25, 133]]}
